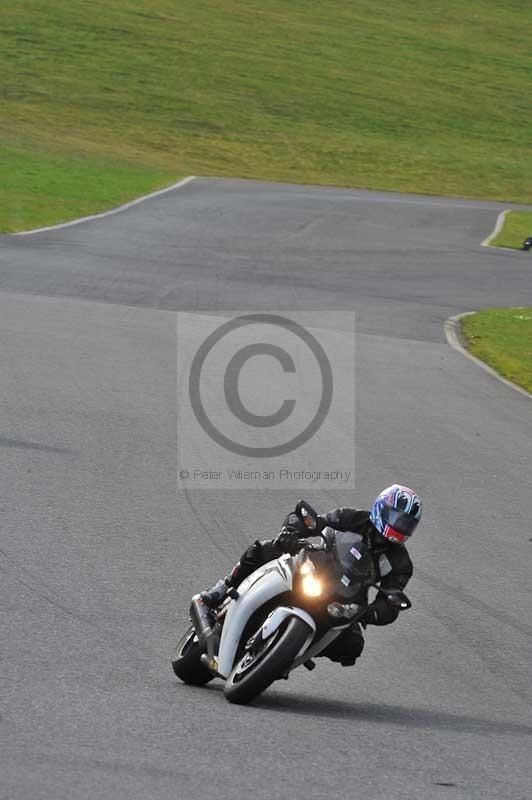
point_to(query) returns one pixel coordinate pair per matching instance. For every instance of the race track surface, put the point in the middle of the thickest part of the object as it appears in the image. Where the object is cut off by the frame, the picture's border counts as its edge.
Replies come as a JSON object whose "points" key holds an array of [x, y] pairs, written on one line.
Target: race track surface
{"points": [[100, 556]]}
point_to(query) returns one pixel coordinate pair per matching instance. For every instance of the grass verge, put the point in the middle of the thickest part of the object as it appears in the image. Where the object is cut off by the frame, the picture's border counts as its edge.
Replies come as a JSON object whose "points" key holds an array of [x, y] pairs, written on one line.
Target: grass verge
{"points": [[517, 227], [409, 96], [43, 188], [502, 337]]}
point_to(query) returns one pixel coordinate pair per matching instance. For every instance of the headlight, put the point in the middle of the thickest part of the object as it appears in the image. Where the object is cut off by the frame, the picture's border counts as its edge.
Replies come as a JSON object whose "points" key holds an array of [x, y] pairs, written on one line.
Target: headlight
{"points": [[311, 585], [346, 610]]}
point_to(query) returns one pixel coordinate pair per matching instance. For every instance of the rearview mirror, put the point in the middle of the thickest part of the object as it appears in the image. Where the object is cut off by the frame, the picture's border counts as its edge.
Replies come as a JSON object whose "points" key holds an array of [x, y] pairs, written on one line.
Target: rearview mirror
{"points": [[308, 516], [396, 599]]}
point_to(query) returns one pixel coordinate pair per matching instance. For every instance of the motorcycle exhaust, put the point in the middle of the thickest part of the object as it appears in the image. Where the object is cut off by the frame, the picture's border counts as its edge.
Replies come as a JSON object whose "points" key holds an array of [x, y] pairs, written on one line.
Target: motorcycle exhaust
{"points": [[201, 618]]}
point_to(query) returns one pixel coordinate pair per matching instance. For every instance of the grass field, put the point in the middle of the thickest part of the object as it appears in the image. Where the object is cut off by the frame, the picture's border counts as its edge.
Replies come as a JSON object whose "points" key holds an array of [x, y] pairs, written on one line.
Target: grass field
{"points": [[517, 228], [102, 100], [502, 337]]}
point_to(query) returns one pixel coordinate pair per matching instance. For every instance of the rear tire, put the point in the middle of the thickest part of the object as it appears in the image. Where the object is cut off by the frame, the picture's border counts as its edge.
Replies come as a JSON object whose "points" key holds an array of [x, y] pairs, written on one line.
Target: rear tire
{"points": [[186, 661], [251, 677]]}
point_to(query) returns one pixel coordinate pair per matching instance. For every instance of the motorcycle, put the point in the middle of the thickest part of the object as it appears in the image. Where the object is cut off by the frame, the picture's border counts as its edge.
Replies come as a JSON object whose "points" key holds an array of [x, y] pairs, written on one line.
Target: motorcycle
{"points": [[283, 615]]}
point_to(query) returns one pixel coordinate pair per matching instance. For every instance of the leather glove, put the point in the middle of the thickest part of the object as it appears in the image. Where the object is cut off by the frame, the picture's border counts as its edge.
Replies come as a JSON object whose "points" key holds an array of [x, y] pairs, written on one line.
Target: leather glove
{"points": [[292, 523], [287, 537], [287, 534], [380, 612]]}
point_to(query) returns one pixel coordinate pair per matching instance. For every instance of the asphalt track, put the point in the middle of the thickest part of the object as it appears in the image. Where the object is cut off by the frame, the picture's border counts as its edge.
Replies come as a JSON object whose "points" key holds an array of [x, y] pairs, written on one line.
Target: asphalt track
{"points": [[100, 556]]}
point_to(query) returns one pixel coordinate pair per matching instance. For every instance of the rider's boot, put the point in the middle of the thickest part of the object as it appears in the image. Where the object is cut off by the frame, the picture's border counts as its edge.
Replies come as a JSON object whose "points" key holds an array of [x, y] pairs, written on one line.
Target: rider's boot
{"points": [[215, 596]]}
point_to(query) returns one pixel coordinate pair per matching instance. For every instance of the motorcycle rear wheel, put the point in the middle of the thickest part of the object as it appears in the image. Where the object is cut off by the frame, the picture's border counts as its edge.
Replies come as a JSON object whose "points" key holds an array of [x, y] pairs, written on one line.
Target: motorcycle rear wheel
{"points": [[186, 661], [255, 671]]}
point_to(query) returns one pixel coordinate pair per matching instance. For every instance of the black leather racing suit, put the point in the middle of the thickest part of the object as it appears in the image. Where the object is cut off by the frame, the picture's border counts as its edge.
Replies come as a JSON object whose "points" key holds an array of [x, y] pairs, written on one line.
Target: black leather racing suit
{"points": [[392, 563]]}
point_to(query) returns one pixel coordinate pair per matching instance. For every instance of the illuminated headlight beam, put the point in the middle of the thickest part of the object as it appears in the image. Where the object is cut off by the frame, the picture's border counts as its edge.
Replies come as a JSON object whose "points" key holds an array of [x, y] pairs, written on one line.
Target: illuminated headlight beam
{"points": [[311, 586]]}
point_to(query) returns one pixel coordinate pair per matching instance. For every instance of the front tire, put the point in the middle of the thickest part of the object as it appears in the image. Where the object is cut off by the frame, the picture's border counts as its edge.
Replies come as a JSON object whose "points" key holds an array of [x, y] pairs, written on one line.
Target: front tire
{"points": [[186, 661], [254, 672]]}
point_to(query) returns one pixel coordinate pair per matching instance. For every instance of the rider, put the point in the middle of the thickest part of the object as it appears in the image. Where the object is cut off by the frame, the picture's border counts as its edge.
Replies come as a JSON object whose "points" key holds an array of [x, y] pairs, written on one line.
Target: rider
{"points": [[387, 527]]}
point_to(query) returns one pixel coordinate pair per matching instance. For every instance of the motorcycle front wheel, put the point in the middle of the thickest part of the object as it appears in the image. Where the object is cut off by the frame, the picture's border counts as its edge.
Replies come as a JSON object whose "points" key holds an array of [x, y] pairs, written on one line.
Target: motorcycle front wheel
{"points": [[186, 661], [264, 664]]}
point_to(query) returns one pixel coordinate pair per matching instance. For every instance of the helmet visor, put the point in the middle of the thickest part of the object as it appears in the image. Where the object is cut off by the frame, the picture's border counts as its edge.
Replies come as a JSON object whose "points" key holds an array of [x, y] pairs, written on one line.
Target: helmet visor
{"points": [[400, 521]]}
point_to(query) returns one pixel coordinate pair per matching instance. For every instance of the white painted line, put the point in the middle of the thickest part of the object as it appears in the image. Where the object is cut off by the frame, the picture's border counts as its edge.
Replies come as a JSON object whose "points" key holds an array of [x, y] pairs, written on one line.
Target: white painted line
{"points": [[497, 229], [109, 213], [452, 332]]}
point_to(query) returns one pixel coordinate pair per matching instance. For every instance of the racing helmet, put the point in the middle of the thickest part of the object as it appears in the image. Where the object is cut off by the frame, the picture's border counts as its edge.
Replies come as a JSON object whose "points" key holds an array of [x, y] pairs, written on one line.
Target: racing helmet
{"points": [[396, 513]]}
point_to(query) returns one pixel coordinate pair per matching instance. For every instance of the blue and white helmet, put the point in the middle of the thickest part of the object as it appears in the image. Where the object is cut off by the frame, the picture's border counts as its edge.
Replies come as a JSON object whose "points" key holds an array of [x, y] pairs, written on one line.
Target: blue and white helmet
{"points": [[396, 513]]}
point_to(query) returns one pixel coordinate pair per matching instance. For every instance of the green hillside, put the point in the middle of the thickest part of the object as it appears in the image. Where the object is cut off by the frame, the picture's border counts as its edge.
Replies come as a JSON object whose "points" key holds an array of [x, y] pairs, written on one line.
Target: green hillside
{"points": [[101, 101]]}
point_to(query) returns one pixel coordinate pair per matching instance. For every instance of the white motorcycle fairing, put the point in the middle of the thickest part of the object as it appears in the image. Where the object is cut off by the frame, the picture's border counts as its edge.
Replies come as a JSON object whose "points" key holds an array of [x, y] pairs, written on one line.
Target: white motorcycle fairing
{"points": [[257, 589], [278, 616]]}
